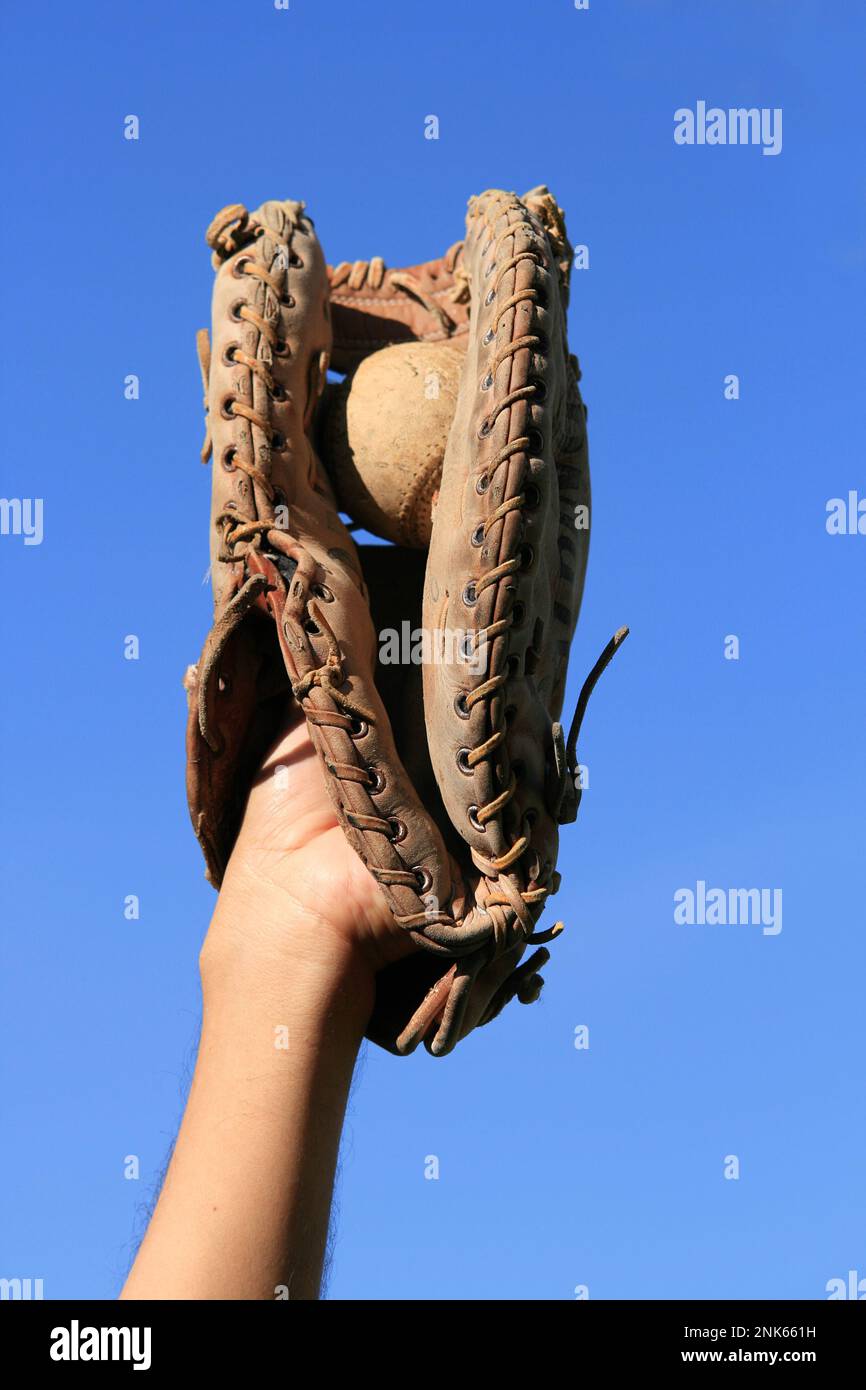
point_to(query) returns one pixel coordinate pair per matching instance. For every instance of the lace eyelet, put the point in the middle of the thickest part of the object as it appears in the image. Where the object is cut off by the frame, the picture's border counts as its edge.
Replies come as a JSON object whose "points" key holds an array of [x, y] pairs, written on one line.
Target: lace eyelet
{"points": [[423, 878], [489, 298], [482, 484], [295, 261], [228, 459], [228, 354], [513, 666], [488, 337], [518, 612], [376, 779], [536, 441], [359, 728], [287, 301], [463, 763], [539, 386], [279, 392], [490, 269], [487, 382], [470, 595], [226, 408], [281, 348], [532, 495], [235, 310], [323, 592], [278, 441], [237, 268], [527, 557], [484, 429], [460, 705], [530, 816], [472, 816], [311, 626], [510, 713], [398, 830], [477, 537]]}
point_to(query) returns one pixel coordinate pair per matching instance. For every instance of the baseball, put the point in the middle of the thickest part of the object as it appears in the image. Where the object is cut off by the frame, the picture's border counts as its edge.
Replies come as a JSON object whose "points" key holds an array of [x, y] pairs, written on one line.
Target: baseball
{"points": [[383, 436]]}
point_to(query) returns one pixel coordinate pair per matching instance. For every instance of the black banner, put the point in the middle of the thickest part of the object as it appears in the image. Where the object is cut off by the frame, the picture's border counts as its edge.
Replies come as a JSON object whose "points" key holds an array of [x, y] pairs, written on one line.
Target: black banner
{"points": [[64, 1338]]}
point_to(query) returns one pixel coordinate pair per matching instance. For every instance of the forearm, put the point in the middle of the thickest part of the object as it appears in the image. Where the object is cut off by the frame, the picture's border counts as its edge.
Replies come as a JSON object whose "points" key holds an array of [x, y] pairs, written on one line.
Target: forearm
{"points": [[245, 1204]]}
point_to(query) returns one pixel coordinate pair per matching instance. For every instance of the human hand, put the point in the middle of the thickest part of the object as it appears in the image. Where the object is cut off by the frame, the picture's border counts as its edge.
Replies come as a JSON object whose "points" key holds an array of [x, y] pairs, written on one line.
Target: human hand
{"points": [[293, 864]]}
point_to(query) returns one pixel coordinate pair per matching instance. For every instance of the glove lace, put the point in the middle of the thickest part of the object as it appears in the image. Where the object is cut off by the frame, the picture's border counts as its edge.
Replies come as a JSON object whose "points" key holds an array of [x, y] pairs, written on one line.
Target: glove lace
{"points": [[358, 275], [529, 249]]}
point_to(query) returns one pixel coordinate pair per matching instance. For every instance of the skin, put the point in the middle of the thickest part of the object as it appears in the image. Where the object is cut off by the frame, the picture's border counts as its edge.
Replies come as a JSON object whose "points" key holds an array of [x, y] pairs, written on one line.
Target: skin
{"points": [[299, 932]]}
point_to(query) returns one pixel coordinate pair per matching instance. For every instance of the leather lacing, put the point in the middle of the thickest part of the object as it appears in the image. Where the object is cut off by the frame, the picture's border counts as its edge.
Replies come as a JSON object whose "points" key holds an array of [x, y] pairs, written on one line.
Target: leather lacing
{"points": [[231, 230], [534, 390], [242, 541], [505, 905], [371, 274], [358, 275]]}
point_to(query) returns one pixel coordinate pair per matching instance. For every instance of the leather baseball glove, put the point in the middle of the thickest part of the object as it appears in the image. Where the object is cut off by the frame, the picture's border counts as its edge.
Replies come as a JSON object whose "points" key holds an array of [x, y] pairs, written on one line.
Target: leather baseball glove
{"points": [[460, 829]]}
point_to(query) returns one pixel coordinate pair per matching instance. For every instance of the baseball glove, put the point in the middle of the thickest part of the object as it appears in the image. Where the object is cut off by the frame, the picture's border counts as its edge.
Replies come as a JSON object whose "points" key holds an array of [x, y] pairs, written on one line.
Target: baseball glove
{"points": [[467, 865]]}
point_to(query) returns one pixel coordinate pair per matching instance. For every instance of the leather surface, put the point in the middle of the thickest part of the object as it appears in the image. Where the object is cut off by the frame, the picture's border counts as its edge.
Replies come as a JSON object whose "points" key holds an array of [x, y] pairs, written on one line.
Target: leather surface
{"points": [[292, 600], [371, 311], [505, 562]]}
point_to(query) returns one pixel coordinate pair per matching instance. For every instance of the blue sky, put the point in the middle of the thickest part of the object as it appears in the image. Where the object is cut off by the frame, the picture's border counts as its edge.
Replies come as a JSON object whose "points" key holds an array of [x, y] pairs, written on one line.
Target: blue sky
{"points": [[558, 1167]]}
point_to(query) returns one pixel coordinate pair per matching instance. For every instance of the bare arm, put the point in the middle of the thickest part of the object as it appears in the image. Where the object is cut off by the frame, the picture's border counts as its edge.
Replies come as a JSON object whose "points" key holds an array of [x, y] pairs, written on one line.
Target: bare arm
{"points": [[288, 971], [244, 1208]]}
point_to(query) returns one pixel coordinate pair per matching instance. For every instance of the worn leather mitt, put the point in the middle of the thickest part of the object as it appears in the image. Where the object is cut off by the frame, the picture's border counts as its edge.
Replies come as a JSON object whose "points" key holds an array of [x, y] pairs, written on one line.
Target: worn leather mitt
{"points": [[459, 828]]}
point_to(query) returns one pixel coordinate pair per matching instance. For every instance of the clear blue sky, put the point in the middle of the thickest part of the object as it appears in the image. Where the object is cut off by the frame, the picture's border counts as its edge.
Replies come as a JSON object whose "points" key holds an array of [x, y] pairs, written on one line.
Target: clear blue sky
{"points": [[558, 1167]]}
